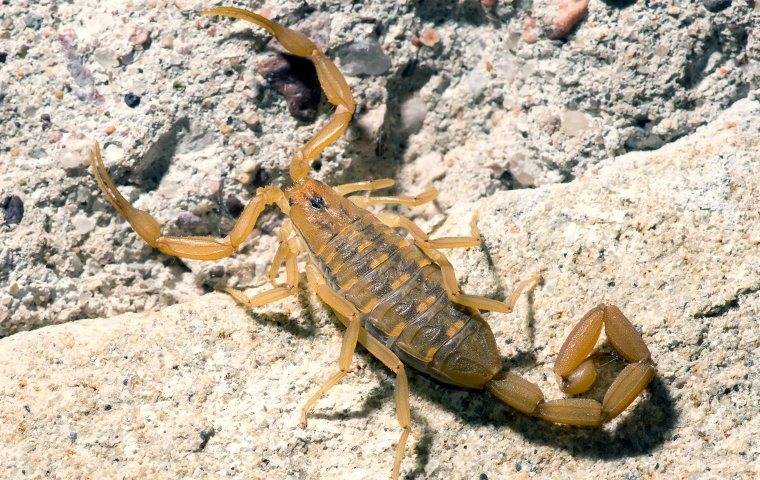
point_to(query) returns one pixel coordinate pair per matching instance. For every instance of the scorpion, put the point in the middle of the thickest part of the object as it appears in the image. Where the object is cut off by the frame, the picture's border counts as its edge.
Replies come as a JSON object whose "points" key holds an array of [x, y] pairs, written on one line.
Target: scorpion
{"points": [[398, 298]]}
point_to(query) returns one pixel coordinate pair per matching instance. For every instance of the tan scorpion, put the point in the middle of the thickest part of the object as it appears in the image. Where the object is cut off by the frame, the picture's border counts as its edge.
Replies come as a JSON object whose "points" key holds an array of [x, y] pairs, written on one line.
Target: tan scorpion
{"points": [[398, 298]]}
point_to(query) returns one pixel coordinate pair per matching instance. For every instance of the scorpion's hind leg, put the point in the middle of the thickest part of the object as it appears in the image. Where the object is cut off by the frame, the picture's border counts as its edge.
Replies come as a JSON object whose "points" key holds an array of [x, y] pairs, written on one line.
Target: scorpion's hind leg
{"points": [[332, 81], [390, 360], [353, 324], [353, 334], [198, 248], [577, 372]]}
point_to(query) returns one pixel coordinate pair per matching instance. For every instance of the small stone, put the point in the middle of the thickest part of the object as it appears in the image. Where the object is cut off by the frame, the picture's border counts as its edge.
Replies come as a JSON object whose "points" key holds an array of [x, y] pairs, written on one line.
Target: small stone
{"points": [[187, 220], [131, 100], [46, 121], [364, 57], [529, 32], [109, 129], [251, 119], [55, 136], [295, 79], [167, 41], [574, 123], [83, 225], [3, 57], [260, 178], [413, 113], [488, 3], [429, 37], [716, 5], [234, 205], [13, 208], [140, 36], [569, 13], [33, 21]]}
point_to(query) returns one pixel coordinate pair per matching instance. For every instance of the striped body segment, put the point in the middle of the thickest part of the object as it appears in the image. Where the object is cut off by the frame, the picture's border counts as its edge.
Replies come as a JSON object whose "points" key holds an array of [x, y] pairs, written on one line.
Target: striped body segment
{"points": [[399, 292]]}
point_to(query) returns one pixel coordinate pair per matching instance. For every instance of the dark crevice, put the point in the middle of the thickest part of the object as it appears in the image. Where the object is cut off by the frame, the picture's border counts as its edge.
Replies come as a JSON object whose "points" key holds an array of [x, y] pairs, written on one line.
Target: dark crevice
{"points": [[159, 155], [725, 307]]}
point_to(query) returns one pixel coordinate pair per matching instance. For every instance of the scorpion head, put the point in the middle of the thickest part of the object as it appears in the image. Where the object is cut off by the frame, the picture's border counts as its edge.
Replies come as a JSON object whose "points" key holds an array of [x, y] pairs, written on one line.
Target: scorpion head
{"points": [[318, 211]]}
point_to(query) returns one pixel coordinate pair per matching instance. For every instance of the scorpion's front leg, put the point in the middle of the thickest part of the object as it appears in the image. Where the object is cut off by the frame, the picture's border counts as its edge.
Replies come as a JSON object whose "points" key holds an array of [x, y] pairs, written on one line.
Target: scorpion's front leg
{"points": [[287, 253], [198, 248]]}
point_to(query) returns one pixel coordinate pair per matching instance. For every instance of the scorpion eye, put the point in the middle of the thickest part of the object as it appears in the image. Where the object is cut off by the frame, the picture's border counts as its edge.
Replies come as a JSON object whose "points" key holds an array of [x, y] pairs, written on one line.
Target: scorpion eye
{"points": [[317, 202]]}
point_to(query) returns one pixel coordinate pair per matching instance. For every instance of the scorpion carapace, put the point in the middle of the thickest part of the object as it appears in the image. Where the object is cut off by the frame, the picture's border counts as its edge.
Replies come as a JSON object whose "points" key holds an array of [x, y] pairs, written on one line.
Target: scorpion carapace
{"points": [[397, 297]]}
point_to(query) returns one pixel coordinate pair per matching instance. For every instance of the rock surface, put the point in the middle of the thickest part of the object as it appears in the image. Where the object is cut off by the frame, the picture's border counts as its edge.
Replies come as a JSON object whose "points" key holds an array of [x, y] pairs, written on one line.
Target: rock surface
{"points": [[207, 390], [500, 102]]}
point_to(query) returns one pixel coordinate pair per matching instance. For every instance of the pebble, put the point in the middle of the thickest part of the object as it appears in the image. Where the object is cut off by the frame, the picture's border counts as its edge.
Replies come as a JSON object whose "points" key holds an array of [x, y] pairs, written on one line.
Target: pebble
{"points": [[33, 21], [187, 219], [569, 13], [140, 36], [296, 80], [46, 121], [83, 225], [716, 5], [167, 41], [132, 100], [413, 113], [574, 123], [251, 119], [234, 205], [13, 208], [3, 57], [364, 57], [429, 37]]}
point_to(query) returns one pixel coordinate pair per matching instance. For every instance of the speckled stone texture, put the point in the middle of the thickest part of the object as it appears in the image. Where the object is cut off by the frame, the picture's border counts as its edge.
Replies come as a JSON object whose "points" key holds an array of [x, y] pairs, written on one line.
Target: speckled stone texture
{"points": [[472, 96], [208, 390]]}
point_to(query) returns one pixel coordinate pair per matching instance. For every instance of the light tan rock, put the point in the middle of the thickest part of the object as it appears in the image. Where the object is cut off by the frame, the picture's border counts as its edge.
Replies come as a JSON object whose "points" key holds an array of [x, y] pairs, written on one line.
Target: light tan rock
{"points": [[206, 390]]}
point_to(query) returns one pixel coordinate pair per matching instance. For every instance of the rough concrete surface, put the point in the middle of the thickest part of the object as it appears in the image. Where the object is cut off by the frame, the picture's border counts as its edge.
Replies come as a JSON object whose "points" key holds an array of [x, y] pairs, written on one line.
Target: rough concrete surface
{"points": [[473, 96], [207, 390]]}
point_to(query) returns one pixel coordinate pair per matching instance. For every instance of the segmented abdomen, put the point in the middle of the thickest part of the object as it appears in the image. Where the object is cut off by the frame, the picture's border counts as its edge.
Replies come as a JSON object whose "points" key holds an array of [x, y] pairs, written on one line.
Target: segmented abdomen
{"points": [[399, 292]]}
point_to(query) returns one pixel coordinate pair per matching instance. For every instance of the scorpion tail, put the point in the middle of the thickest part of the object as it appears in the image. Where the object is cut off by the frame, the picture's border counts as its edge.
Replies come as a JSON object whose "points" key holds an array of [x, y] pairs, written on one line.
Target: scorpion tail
{"points": [[576, 372]]}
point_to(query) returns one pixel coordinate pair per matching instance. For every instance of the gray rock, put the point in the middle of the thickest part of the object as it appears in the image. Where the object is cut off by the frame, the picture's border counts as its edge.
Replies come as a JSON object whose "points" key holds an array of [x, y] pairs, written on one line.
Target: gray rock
{"points": [[364, 57], [716, 5], [205, 389], [494, 107]]}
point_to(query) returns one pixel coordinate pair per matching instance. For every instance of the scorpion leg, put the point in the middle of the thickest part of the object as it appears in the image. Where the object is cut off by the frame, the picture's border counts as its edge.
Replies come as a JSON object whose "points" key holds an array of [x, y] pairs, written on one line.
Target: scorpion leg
{"points": [[378, 350], [369, 185], [332, 81], [429, 247], [198, 248], [397, 221], [290, 254], [425, 197], [344, 308], [390, 360]]}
